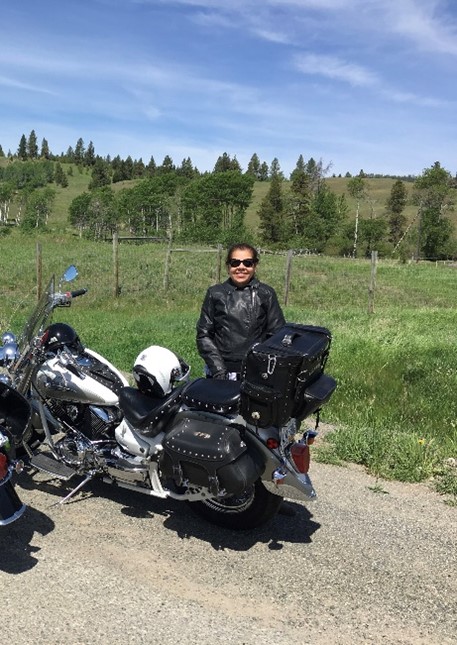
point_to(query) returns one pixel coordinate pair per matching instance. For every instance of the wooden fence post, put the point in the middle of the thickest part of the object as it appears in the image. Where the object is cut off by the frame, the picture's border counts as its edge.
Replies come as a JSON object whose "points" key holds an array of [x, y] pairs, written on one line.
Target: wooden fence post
{"points": [[372, 287], [166, 272], [39, 269], [116, 264], [219, 263], [288, 275]]}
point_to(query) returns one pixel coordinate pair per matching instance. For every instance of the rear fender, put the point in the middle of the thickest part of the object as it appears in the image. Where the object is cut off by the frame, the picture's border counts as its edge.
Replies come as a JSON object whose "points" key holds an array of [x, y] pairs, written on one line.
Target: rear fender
{"points": [[279, 476]]}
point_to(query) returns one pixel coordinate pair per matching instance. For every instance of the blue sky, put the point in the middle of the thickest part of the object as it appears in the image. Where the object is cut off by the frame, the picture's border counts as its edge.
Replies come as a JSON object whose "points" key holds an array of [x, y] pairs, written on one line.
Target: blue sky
{"points": [[359, 84]]}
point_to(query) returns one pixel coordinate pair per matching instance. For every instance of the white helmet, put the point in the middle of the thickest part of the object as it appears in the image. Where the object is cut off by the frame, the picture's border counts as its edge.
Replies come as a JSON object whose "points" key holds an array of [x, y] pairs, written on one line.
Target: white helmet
{"points": [[157, 369]]}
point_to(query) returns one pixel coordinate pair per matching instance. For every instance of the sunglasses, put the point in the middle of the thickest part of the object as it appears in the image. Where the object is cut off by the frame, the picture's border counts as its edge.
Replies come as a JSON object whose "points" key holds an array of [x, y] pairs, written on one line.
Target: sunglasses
{"points": [[249, 263]]}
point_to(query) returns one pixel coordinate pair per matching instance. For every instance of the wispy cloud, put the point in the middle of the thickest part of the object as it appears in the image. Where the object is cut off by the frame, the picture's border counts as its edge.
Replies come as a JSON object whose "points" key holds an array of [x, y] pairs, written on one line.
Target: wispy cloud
{"points": [[14, 83], [355, 75], [335, 68], [331, 78], [430, 24]]}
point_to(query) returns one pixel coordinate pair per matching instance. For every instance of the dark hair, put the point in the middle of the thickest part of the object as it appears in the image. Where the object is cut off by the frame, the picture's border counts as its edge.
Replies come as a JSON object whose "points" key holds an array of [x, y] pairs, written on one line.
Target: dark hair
{"points": [[242, 246]]}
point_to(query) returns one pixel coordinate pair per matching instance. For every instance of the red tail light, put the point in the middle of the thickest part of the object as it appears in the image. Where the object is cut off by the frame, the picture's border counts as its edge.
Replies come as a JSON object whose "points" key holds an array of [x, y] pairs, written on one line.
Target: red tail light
{"points": [[3, 466], [300, 456]]}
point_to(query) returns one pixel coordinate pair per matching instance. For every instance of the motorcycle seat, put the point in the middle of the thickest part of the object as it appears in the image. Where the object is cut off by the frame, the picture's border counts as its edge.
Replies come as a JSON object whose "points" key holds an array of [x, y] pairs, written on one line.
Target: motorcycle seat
{"points": [[212, 395], [147, 414]]}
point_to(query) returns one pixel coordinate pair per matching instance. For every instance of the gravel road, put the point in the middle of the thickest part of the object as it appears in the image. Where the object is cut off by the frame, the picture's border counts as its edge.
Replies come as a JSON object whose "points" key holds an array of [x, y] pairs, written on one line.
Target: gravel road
{"points": [[357, 566]]}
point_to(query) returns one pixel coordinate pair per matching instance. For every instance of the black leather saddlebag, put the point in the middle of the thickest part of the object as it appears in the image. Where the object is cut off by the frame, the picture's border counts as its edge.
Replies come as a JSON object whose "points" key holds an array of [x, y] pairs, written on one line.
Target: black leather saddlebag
{"points": [[282, 377], [209, 453]]}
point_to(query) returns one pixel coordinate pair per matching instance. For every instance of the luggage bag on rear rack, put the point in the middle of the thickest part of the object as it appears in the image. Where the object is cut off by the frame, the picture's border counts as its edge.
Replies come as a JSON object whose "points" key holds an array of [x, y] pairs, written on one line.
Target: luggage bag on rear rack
{"points": [[283, 377]]}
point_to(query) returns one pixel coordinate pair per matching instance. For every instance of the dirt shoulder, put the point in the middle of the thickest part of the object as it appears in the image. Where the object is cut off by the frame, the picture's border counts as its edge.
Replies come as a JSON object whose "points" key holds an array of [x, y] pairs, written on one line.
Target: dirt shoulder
{"points": [[357, 566]]}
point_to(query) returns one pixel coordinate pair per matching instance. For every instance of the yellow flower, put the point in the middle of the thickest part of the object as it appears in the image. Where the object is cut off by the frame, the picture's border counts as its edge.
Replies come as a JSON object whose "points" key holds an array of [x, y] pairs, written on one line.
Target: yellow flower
{"points": [[421, 441]]}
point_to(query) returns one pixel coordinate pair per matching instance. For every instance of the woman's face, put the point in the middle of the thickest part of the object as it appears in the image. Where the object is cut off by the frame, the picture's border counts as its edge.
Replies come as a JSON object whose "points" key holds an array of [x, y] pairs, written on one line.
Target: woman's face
{"points": [[241, 275]]}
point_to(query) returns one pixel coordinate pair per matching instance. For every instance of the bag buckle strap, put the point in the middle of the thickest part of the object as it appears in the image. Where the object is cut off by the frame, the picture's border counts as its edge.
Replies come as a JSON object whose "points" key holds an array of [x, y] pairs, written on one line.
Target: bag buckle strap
{"points": [[271, 364]]}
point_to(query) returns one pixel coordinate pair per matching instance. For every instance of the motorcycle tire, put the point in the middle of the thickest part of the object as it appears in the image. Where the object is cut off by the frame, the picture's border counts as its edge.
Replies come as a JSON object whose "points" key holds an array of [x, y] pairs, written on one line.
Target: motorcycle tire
{"points": [[254, 507]]}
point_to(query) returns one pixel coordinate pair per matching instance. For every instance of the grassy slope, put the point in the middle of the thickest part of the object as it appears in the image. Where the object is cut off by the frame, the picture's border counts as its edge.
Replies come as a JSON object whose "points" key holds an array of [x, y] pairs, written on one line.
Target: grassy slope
{"points": [[378, 190]]}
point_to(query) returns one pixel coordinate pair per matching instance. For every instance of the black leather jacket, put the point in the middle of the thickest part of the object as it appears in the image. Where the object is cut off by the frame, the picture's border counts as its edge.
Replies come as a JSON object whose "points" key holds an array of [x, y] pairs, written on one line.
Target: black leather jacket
{"points": [[232, 319]]}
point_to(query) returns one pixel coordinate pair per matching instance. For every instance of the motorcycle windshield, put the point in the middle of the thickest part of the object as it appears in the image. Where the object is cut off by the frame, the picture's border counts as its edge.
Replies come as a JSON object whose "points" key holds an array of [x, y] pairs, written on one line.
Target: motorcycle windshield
{"points": [[39, 317]]}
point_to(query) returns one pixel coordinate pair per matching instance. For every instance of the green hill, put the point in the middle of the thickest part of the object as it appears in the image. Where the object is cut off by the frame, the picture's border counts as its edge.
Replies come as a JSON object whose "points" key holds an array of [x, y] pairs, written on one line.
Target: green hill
{"points": [[378, 190]]}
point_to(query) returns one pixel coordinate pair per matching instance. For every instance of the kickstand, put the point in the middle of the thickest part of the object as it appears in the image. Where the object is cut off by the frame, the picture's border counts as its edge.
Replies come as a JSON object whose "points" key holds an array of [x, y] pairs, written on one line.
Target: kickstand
{"points": [[75, 490]]}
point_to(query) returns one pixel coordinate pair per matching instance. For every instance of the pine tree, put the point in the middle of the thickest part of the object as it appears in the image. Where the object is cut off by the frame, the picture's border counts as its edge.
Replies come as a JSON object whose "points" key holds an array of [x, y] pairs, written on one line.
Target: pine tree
{"points": [[395, 206], [151, 168], [79, 152], [223, 163], [89, 155], [32, 146], [138, 169], [254, 166], [167, 166], [100, 174], [44, 152], [22, 150], [60, 177], [271, 212], [299, 203], [275, 169], [264, 172], [186, 169]]}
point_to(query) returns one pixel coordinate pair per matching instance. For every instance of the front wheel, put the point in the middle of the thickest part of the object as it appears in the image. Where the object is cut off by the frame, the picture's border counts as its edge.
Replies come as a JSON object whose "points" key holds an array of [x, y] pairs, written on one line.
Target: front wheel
{"points": [[254, 507]]}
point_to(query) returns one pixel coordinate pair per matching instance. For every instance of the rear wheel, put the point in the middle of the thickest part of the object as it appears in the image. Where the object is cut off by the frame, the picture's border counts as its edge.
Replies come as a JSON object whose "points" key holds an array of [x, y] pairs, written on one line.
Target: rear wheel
{"points": [[254, 507]]}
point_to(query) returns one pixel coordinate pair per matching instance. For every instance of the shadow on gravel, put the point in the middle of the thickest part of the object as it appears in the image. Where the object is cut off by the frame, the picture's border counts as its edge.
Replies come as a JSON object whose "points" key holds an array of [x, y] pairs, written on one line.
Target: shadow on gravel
{"points": [[16, 550], [179, 517], [56, 487], [277, 533]]}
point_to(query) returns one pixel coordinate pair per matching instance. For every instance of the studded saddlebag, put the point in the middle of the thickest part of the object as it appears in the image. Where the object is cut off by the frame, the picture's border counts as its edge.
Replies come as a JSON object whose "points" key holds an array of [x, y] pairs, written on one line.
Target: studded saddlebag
{"points": [[282, 377], [209, 453]]}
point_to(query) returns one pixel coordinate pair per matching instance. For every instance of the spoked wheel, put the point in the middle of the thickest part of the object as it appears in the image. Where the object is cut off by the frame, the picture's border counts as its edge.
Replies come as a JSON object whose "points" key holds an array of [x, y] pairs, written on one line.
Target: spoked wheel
{"points": [[254, 507]]}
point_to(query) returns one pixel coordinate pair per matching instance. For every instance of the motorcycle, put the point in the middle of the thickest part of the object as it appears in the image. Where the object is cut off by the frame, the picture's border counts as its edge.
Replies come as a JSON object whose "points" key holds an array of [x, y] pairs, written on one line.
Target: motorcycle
{"points": [[15, 414], [232, 449]]}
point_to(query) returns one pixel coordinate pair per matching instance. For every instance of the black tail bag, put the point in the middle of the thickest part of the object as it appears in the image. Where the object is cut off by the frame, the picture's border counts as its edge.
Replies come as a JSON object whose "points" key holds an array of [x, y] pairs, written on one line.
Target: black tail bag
{"points": [[283, 377]]}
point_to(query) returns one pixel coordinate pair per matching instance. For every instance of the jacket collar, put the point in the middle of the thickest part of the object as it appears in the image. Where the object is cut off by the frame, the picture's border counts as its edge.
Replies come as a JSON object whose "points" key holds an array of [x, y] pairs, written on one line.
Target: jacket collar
{"points": [[252, 284]]}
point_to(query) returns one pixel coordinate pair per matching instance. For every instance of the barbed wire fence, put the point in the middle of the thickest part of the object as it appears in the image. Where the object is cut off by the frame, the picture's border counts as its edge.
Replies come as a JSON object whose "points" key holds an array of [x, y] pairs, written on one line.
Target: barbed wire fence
{"points": [[175, 276]]}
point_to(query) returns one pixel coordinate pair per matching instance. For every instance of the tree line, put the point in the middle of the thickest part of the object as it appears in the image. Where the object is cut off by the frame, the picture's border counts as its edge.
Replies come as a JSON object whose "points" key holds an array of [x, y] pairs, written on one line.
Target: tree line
{"points": [[300, 211]]}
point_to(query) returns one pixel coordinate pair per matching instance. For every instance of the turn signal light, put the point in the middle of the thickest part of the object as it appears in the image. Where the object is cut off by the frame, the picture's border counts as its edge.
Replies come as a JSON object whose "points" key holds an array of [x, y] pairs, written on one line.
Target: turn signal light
{"points": [[272, 444], [300, 455]]}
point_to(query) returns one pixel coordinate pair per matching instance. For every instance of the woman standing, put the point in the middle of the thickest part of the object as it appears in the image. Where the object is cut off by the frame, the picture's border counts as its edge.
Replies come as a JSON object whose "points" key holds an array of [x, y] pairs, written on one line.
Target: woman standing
{"points": [[236, 314]]}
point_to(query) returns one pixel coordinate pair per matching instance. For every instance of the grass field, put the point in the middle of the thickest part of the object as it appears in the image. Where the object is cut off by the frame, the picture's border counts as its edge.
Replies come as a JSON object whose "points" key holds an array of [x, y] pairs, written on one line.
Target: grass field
{"points": [[395, 407]]}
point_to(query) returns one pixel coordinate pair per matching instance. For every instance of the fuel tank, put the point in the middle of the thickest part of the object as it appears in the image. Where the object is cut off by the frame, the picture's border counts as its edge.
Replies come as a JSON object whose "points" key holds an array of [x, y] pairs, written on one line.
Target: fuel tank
{"points": [[56, 381]]}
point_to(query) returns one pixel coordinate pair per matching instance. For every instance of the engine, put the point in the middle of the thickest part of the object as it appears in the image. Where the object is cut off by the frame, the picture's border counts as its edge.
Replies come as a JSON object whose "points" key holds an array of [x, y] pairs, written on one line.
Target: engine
{"points": [[106, 458], [94, 422], [77, 451]]}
